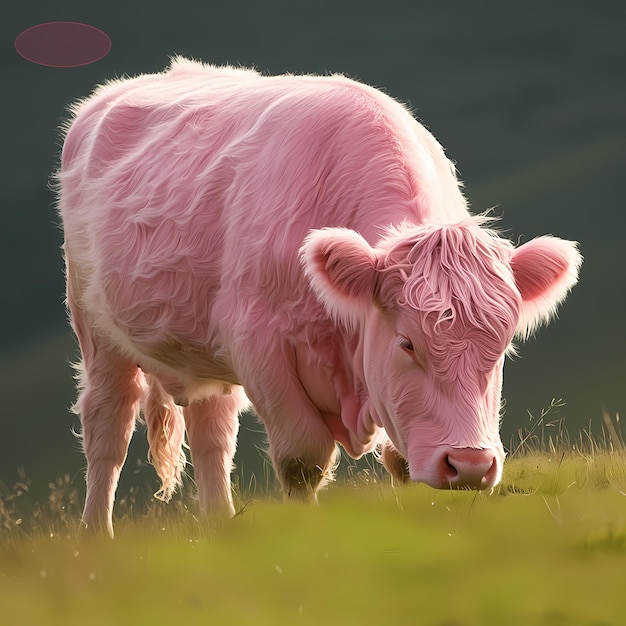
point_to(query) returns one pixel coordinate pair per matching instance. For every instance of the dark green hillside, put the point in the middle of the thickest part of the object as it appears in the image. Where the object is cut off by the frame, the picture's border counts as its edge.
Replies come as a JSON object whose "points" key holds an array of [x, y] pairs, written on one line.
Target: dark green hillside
{"points": [[528, 98], [36, 389]]}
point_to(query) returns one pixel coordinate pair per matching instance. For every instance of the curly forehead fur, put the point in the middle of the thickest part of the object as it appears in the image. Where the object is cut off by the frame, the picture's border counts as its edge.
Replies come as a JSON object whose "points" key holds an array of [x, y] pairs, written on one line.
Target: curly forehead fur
{"points": [[458, 276]]}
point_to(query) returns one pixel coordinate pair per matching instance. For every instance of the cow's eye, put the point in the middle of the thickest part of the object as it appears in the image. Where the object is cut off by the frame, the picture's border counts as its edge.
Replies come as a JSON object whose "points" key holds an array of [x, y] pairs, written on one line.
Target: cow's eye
{"points": [[407, 346]]}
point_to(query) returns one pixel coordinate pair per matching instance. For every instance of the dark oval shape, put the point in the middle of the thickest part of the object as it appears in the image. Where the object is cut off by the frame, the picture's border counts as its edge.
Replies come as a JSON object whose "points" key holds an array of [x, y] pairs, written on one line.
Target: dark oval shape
{"points": [[63, 44]]}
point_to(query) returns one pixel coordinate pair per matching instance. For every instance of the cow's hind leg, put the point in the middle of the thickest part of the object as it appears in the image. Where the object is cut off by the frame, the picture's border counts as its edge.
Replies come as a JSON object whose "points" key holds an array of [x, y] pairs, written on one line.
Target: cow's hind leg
{"points": [[107, 404], [108, 401], [212, 426]]}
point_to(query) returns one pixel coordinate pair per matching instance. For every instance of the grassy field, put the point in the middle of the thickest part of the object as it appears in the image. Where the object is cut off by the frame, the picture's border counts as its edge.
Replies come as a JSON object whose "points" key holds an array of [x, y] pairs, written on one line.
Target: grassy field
{"points": [[548, 546]]}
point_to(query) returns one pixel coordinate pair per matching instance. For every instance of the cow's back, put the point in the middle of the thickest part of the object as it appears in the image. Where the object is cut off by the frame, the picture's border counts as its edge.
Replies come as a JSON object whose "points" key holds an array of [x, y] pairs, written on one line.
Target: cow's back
{"points": [[193, 190]]}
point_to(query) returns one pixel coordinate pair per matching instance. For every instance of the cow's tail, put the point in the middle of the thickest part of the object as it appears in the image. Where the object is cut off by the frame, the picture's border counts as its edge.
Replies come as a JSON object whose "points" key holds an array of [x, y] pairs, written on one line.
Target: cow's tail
{"points": [[166, 433]]}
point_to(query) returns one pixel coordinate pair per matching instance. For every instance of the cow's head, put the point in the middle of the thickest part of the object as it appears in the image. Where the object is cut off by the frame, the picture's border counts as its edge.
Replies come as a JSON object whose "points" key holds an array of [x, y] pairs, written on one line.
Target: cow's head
{"points": [[436, 308]]}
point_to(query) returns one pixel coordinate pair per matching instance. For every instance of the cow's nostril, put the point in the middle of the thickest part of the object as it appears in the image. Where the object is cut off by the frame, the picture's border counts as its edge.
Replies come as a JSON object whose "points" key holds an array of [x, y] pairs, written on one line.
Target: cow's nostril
{"points": [[490, 477], [450, 472], [468, 468]]}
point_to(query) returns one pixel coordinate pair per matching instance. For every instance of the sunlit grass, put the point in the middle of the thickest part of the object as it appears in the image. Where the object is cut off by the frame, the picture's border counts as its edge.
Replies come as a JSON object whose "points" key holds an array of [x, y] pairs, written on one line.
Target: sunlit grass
{"points": [[548, 546]]}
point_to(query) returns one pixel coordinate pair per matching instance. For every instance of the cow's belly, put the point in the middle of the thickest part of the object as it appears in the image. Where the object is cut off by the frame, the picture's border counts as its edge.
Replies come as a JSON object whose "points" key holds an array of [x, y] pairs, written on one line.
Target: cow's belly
{"points": [[166, 332], [192, 361], [186, 371]]}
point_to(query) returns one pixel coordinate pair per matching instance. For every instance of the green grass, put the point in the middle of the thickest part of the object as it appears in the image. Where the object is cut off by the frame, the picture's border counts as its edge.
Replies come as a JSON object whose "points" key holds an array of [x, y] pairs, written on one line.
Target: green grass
{"points": [[548, 546]]}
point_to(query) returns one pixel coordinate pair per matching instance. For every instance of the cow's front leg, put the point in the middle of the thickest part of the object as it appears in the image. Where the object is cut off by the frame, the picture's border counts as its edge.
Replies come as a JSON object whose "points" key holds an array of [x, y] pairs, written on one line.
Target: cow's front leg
{"points": [[394, 463], [301, 478], [303, 451], [302, 448]]}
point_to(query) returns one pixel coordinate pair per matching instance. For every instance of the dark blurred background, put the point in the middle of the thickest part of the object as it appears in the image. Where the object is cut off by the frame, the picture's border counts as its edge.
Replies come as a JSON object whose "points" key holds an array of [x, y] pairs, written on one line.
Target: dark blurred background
{"points": [[529, 99]]}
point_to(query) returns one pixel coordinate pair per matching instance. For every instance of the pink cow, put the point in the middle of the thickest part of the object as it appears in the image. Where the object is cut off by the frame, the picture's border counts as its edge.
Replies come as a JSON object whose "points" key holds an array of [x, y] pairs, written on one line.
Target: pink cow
{"points": [[301, 238]]}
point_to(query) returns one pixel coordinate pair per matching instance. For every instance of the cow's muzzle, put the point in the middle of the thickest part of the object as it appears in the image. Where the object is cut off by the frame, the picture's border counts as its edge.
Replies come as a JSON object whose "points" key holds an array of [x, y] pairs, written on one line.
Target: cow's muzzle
{"points": [[464, 468]]}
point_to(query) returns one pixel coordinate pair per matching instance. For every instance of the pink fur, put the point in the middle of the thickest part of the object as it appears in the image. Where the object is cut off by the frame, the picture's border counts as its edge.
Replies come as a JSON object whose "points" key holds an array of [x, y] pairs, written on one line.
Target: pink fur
{"points": [[347, 279], [301, 237], [166, 431], [545, 269]]}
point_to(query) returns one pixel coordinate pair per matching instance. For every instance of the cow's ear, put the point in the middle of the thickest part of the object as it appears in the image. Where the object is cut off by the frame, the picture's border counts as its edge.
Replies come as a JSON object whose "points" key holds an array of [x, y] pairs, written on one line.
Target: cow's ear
{"points": [[545, 269], [341, 267]]}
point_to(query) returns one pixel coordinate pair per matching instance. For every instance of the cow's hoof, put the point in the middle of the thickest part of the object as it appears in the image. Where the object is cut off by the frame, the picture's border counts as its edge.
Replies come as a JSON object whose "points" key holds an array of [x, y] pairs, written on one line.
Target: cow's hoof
{"points": [[300, 480], [94, 530], [395, 464]]}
